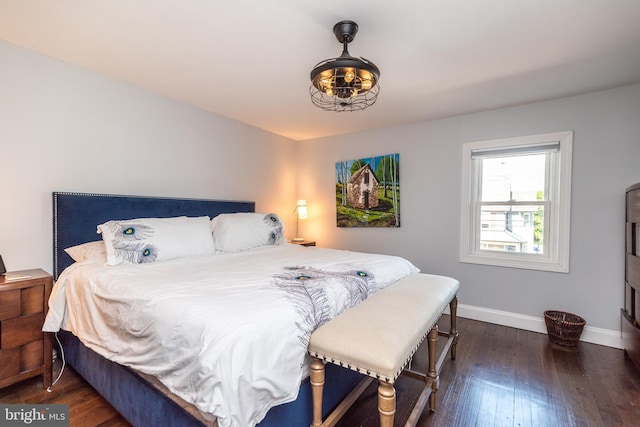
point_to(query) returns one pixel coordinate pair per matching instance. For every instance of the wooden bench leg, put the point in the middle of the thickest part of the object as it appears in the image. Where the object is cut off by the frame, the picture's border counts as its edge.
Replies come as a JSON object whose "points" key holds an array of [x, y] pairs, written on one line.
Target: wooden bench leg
{"points": [[386, 403], [432, 342], [453, 331], [317, 387]]}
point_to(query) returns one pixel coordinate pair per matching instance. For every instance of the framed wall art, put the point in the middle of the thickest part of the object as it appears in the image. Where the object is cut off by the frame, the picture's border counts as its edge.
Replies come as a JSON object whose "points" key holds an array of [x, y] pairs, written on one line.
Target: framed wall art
{"points": [[368, 192]]}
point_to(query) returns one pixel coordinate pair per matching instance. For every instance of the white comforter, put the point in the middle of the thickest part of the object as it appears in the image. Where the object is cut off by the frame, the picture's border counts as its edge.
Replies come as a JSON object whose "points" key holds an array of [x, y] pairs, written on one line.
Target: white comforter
{"points": [[228, 332]]}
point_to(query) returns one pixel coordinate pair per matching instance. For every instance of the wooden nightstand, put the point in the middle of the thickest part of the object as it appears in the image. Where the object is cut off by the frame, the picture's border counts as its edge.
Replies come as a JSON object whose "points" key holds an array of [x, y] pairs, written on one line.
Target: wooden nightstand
{"points": [[304, 243], [25, 351]]}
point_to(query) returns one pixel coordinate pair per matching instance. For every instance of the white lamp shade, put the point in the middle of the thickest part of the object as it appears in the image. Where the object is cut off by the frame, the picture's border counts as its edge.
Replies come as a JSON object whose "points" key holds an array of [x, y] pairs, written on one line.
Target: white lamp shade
{"points": [[302, 209]]}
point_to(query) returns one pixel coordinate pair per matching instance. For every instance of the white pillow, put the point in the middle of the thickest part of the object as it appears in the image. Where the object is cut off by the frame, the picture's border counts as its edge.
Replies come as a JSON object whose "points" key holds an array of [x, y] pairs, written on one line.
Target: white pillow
{"points": [[89, 251], [156, 239], [241, 231]]}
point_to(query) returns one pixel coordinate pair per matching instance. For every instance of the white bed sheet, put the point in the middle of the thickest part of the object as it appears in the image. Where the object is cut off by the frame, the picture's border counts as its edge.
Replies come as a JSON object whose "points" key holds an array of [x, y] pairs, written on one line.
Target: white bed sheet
{"points": [[224, 332]]}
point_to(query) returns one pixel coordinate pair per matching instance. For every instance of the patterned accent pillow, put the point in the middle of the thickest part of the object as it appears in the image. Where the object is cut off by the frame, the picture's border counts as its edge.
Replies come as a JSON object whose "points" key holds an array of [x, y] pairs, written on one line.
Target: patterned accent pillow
{"points": [[242, 231], [144, 240]]}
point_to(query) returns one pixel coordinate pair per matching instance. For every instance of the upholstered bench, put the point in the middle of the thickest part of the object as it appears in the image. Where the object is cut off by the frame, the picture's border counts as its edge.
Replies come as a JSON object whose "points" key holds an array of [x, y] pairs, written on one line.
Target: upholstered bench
{"points": [[378, 338]]}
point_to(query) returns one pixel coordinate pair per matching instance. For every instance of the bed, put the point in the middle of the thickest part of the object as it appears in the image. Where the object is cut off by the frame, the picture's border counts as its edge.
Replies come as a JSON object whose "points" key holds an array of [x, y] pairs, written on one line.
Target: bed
{"points": [[147, 398]]}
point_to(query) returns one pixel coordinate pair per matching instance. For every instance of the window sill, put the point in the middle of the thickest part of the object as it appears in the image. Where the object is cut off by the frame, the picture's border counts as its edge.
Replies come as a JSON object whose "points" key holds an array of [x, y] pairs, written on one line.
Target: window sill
{"points": [[542, 264]]}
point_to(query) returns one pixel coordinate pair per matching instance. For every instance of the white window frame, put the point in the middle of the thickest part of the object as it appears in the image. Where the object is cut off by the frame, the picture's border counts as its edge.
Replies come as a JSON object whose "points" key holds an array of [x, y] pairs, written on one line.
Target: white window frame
{"points": [[557, 207]]}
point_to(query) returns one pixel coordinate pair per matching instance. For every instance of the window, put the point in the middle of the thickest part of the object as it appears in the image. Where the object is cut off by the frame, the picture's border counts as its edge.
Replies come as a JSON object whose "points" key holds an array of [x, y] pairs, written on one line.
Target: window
{"points": [[516, 202]]}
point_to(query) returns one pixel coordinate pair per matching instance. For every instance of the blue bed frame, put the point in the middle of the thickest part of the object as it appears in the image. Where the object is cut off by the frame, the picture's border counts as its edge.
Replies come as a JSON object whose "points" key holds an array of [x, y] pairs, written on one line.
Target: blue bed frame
{"points": [[75, 219]]}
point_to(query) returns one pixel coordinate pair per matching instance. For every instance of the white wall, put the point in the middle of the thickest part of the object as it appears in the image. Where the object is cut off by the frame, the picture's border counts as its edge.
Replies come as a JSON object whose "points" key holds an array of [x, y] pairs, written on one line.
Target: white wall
{"points": [[606, 159], [67, 129]]}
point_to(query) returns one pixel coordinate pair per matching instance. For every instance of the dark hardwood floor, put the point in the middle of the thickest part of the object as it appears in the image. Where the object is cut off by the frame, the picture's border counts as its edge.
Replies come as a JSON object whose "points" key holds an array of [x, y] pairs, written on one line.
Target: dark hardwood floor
{"points": [[501, 377]]}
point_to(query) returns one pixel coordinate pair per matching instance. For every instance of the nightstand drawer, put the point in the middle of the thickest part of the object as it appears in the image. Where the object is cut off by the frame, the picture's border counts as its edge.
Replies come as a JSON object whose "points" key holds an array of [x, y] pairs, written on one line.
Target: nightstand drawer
{"points": [[10, 304], [32, 300], [15, 361], [9, 363], [21, 330], [21, 302], [31, 356]]}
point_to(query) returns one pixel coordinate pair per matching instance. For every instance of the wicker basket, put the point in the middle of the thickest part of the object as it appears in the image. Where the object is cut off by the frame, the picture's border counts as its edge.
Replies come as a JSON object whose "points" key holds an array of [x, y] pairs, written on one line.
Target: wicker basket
{"points": [[563, 328]]}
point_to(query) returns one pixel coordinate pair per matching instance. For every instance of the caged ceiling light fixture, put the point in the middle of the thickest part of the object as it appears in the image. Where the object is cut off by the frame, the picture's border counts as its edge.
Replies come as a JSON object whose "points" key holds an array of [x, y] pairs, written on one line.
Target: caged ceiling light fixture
{"points": [[345, 83]]}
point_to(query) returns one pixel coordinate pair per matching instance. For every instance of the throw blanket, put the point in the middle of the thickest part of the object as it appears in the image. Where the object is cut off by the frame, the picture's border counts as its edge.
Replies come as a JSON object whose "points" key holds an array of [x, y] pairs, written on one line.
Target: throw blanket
{"points": [[315, 299]]}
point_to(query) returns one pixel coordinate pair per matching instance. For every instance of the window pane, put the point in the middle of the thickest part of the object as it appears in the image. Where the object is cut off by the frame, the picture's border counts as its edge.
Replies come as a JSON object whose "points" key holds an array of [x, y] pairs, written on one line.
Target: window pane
{"points": [[512, 228], [513, 178], [516, 205]]}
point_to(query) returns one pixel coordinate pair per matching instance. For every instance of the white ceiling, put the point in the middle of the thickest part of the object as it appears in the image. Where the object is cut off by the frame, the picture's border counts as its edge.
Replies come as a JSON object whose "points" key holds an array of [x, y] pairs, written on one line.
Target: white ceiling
{"points": [[249, 60]]}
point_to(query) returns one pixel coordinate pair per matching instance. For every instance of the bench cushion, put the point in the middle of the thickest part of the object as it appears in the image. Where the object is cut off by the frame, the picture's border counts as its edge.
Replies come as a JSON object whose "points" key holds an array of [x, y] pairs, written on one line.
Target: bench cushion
{"points": [[379, 336]]}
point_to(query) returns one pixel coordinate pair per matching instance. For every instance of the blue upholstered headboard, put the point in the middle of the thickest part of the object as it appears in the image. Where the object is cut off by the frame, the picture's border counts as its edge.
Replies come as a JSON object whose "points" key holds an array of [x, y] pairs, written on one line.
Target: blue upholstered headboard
{"points": [[77, 215]]}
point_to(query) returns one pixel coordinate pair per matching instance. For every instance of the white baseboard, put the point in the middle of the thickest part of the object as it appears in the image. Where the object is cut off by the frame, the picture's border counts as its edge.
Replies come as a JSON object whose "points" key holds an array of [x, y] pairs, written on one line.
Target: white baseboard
{"points": [[590, 334]]}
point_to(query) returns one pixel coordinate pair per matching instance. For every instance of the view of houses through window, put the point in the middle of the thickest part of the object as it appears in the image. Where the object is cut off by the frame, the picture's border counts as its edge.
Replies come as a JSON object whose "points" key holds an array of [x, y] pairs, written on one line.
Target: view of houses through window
{"points": [[512, 203]]}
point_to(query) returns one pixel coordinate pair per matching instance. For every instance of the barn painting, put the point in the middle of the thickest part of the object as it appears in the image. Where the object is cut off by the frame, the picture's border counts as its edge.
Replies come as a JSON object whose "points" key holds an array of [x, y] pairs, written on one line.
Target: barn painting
{"points": [[368, 192]]}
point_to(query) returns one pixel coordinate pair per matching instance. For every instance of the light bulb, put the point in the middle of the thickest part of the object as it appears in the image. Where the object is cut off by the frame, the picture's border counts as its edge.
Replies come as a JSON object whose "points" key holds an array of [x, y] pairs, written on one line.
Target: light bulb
{"points": [[349, 76]]}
